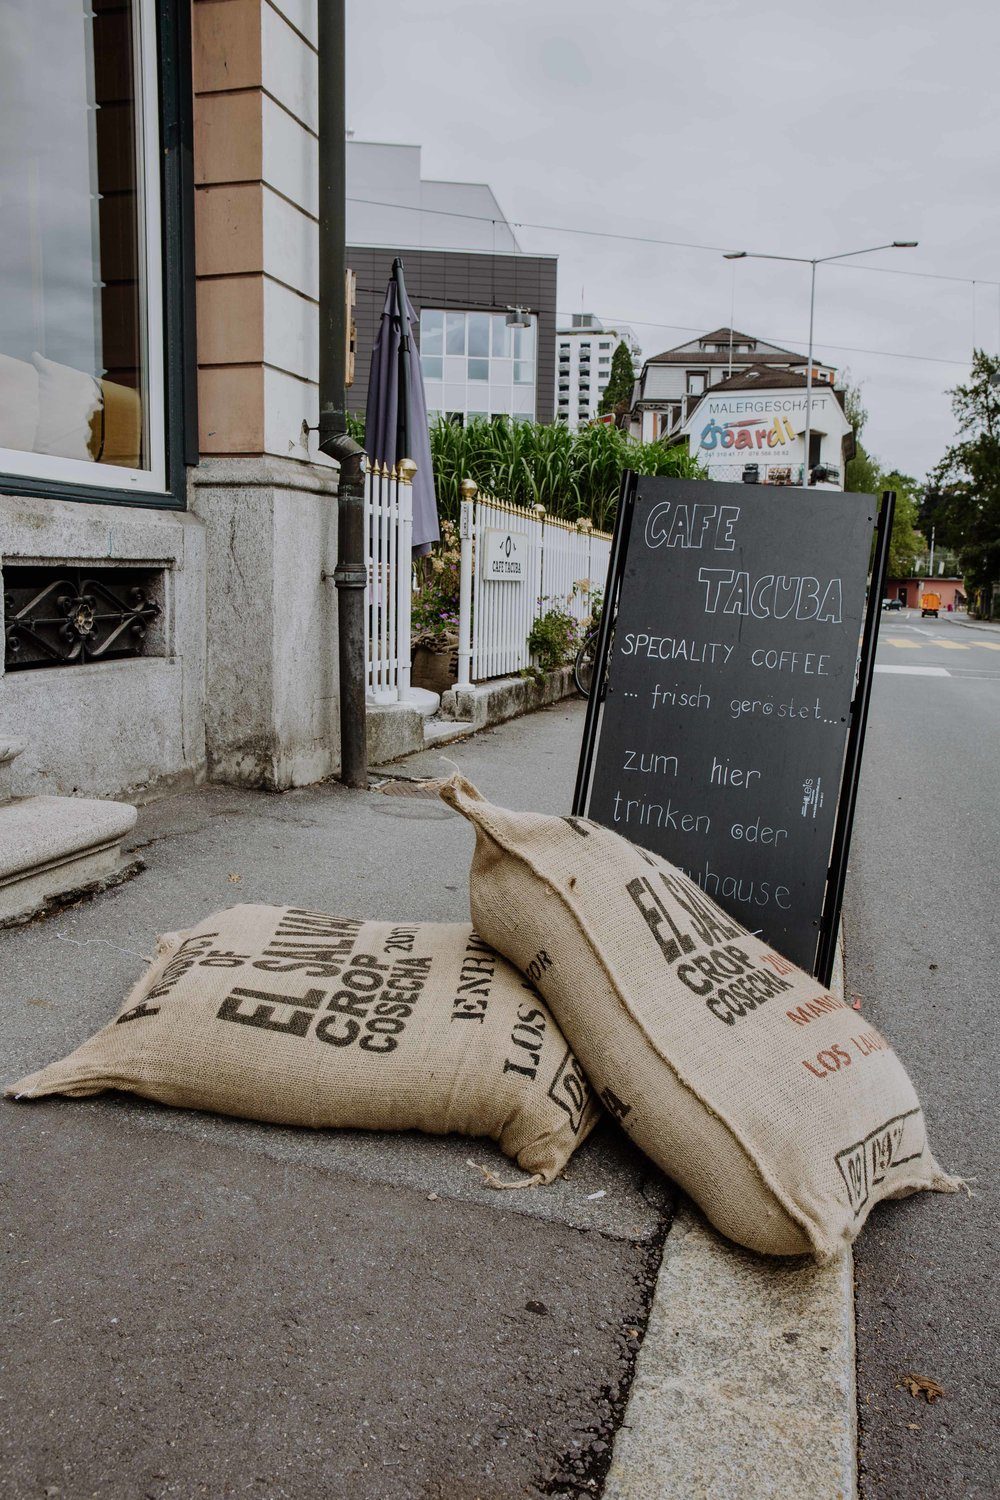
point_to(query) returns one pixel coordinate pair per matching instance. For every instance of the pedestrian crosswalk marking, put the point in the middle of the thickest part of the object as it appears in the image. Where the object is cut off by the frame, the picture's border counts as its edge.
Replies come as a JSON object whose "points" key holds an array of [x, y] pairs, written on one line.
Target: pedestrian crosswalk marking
{"points": [[916, 671], [901, 643]]}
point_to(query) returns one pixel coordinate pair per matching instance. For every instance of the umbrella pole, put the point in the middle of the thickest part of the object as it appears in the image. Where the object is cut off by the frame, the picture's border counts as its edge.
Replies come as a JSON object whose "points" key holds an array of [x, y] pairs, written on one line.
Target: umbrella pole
{"points": [[403, 373]]}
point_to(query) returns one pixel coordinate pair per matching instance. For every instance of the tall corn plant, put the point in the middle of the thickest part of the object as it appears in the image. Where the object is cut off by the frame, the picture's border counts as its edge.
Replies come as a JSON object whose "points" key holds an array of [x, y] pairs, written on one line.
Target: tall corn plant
{"points": [[573, 474]]}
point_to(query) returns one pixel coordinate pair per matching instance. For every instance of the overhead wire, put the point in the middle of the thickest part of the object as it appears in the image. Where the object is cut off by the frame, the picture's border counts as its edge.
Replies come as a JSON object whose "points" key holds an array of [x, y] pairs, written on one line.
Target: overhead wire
{"points": [[936, 359], [646, 239]]}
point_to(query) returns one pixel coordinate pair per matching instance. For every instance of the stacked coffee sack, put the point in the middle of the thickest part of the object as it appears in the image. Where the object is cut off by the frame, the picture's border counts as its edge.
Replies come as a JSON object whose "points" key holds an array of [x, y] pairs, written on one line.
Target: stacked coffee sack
{"points": [[764, 1096]]}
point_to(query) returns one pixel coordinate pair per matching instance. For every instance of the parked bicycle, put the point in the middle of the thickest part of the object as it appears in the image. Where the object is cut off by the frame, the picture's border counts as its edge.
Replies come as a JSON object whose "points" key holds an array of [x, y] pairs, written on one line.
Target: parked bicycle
{"points": [[583, 666]]}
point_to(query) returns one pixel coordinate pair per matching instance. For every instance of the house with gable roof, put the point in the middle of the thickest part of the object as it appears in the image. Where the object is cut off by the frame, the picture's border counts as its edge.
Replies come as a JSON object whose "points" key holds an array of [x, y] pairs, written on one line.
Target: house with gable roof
{"points": [[672, 383], [751, 428]]}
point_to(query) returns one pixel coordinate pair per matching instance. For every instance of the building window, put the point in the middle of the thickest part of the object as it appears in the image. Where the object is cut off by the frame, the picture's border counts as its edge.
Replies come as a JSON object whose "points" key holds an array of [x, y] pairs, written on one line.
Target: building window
{"points": [[696, 382], [524, 355], [473, 363], [82, 374]]}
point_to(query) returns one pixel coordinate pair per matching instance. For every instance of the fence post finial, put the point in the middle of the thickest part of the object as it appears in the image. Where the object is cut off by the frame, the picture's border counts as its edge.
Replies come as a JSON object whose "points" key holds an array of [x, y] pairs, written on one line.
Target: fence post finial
{"points": [[469, 488], [407, 468]]}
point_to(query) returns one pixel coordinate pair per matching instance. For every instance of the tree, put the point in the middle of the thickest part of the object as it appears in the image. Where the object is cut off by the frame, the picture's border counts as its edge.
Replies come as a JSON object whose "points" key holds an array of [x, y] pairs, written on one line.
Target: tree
{"points": [[906, 542], [963, 501], [617, 396], [865, 476]]}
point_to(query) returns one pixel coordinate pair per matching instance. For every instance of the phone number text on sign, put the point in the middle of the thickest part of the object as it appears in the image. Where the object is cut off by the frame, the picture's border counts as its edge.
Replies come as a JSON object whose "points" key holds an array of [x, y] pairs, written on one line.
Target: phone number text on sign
{"points": [[505, 555]]}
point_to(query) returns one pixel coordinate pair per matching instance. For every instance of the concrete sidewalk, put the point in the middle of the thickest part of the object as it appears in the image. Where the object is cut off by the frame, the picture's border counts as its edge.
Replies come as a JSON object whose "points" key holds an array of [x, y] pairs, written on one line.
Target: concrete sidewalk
{"points": [[203, 1306]]}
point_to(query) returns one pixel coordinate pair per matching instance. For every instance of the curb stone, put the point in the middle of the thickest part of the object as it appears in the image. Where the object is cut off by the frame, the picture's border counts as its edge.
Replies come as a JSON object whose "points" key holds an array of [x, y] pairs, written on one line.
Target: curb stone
{"points": [[745, 1384]]}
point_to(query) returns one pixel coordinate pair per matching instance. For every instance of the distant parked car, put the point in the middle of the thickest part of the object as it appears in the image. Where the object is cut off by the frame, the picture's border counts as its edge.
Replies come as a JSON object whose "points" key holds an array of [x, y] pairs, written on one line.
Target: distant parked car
{"points": [[892, 603]]}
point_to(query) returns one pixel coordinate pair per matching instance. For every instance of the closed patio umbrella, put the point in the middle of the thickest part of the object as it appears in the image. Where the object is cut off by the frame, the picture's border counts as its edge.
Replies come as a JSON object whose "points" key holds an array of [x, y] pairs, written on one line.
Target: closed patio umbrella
{"points": [[396, 417]]}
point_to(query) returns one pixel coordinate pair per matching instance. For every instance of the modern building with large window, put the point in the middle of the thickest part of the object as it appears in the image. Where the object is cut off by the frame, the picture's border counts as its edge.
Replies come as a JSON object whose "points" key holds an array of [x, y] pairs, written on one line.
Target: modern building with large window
{"points": [[584, 352], [167, 525], [465, 273]]}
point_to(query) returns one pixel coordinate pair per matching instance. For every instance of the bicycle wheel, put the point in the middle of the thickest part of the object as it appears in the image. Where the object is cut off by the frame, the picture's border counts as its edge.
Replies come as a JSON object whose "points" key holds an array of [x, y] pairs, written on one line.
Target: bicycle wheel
{"points": [[583, 666]]}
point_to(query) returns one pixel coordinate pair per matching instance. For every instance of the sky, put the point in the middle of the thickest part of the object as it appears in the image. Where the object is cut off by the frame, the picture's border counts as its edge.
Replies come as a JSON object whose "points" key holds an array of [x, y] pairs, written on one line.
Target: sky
{"points": [[789, 127]]}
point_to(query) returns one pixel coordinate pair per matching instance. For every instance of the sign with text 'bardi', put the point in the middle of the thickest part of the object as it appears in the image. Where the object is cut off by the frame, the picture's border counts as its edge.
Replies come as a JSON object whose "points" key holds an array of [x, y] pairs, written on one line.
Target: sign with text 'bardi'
{"points": [[730, 680], [505, 555]]}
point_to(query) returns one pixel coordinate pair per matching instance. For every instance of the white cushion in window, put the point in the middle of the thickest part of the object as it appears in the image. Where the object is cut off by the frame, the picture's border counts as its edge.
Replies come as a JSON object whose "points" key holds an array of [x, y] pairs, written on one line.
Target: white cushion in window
{"points": [[18, 404], [67, 400]]}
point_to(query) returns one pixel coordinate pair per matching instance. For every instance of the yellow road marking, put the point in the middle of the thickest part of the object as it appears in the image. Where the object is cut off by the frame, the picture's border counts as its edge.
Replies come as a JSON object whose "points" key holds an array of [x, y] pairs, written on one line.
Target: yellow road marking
{"points": [[898, 640], [948, 645], [986, 645]]}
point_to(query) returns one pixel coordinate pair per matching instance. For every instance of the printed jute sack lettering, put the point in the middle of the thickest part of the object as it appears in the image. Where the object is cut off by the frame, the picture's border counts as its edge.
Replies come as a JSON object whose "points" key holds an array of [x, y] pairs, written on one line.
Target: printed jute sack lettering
{"points": [[782, 1112], [299, 1018]]}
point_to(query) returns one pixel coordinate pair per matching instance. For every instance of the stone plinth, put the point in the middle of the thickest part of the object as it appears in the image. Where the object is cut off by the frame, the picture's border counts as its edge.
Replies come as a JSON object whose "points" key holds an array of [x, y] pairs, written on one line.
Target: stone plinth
{"points": [[50, 846]]}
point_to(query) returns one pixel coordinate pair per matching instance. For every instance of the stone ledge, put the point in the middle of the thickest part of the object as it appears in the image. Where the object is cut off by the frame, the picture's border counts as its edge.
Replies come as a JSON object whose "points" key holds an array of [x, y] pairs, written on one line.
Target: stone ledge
{"points": [[486, 703], [50, 846], [394, 730]]}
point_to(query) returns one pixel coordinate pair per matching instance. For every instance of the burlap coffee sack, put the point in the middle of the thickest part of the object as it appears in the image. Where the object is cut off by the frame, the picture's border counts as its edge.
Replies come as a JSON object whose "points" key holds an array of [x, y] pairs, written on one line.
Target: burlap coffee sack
{"points": [[299, 1018], [778, 1108]]}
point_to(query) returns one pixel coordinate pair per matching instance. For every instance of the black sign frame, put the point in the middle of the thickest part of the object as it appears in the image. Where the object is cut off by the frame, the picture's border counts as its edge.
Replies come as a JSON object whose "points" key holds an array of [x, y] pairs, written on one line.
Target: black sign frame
{"points": [[829, 917]]}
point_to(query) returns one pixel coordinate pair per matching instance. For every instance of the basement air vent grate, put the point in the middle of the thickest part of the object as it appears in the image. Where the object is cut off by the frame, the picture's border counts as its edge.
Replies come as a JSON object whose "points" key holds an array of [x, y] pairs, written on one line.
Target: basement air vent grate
{"points": [[60, 616]]}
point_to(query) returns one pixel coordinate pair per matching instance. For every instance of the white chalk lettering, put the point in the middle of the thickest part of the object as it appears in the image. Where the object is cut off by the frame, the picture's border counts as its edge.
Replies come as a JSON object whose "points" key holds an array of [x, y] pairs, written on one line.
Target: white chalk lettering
{"points": [[688, 526], [771, 596], [657, 815], [650, 764]]}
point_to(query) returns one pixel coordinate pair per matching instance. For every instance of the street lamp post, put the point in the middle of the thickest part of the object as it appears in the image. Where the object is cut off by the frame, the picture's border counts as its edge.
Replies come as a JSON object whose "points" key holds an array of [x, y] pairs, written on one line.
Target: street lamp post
{"points": [[819, 260]]}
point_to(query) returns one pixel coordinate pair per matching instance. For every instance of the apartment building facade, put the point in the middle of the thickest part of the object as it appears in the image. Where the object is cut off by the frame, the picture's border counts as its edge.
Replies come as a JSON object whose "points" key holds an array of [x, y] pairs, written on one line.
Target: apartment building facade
{"points": [[584, 353]]}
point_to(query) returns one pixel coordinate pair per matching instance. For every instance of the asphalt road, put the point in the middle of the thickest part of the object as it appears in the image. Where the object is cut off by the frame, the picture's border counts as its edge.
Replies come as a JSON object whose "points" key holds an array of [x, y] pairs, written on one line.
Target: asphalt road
{"points": [[921, 916]]}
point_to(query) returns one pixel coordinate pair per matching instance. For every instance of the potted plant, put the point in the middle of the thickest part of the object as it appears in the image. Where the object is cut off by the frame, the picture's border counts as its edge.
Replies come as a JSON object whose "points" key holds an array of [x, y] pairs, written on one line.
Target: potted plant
{"points": [[435, 616]]}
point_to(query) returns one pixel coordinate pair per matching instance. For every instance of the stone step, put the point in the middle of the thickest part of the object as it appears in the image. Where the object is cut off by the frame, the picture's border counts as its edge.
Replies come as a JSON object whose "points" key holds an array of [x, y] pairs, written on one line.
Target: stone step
{"points": [[52, 846], [443, 731]]}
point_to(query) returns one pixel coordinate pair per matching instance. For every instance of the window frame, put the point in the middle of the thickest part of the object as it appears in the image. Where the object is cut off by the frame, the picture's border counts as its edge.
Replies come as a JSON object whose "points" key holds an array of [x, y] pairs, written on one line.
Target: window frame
{"points": [[165, 121]]}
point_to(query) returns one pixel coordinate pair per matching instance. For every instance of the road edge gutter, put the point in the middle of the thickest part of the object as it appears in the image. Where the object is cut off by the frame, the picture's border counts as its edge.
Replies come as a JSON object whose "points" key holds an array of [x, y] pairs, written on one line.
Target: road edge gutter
{"points": [[745, 1386]]}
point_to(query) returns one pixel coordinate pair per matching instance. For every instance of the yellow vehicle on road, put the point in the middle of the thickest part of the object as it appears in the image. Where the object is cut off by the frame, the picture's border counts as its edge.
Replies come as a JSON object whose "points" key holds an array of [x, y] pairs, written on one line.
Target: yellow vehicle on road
{"points": [[929, 605]]}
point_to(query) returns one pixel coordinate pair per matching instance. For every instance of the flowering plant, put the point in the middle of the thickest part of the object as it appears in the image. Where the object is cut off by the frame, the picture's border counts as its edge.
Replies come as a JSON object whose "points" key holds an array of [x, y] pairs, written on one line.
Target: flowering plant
{"points": [[434, 613]]}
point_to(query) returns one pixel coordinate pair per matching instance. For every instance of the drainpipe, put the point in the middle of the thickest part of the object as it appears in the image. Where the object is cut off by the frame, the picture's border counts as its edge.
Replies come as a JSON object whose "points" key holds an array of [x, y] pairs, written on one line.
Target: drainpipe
{"points": [[350, 574]]}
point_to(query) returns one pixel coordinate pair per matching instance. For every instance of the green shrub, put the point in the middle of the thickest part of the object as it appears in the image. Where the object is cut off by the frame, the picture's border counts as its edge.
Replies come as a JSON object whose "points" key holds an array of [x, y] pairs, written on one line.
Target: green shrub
{"points": [[553, 640]]}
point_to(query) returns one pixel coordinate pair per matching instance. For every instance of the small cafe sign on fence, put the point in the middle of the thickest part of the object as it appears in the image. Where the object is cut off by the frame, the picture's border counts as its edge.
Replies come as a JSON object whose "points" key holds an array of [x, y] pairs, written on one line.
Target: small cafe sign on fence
{"points": [[505, 555]]}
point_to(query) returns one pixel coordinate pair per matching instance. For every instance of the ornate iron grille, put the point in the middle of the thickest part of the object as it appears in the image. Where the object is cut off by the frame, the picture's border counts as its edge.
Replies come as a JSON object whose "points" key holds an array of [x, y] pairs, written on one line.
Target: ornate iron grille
{"points": [[57, 616]]}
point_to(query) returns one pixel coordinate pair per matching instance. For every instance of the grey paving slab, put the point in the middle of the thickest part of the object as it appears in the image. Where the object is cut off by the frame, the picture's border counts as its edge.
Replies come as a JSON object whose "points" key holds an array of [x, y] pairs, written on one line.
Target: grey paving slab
{"points": [[210, 1306], [184, 1320]]}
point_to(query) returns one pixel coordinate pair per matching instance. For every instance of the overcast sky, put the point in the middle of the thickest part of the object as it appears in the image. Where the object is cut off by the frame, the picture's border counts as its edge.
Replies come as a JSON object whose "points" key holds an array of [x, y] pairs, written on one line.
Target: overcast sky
{"points": [[787, 126]]}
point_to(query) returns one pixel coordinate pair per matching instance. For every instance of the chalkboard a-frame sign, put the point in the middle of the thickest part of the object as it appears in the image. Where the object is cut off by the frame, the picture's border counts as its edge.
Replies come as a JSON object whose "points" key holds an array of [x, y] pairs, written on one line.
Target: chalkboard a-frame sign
{"points": [[734, 666]]}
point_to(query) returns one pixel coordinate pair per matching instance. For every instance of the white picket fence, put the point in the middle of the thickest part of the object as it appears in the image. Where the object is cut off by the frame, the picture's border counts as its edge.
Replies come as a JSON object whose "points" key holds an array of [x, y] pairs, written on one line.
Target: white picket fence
{"points": [[560, 564], [389, 561]]}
